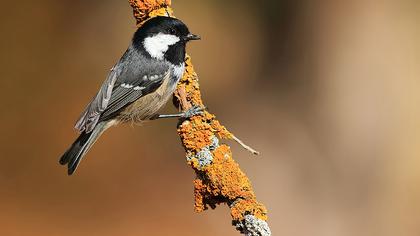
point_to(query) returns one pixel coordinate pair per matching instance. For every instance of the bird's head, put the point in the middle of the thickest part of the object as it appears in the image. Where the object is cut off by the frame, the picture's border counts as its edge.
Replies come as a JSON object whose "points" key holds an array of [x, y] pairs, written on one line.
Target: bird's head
{"points": [[164, 38]]}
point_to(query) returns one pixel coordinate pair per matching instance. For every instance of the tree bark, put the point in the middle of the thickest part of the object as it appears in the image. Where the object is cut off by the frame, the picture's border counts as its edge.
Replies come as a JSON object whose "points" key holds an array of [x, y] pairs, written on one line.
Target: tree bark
{"points": [[218, 177]]}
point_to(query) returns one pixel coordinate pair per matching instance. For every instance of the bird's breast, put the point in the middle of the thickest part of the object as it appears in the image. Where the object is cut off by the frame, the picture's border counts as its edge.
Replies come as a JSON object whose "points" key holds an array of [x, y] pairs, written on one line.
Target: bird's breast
{"points": [[147, 106]]}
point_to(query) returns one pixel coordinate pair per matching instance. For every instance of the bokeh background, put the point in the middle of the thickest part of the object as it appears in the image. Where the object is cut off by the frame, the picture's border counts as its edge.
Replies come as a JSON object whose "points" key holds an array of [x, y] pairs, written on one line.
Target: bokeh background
{"points": [[328, 91]]}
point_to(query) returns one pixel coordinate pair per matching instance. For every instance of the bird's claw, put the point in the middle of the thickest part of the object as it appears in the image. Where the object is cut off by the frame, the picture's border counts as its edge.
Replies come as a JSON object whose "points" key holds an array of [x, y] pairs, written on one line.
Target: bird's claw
{"points": [[193, 111]]}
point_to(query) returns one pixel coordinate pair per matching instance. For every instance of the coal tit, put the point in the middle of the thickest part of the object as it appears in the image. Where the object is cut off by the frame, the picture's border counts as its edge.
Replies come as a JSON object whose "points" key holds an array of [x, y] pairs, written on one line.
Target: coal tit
{"points": [[141, 82]]}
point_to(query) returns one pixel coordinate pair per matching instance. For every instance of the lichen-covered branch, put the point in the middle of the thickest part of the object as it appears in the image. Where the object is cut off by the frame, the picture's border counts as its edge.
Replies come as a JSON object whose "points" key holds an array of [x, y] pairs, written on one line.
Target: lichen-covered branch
{"points": [[218, 177]]}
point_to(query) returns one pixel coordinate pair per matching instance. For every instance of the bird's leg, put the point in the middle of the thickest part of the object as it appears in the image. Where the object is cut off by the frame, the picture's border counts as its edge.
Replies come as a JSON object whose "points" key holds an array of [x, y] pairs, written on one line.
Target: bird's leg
{"points": [[193, 111]]}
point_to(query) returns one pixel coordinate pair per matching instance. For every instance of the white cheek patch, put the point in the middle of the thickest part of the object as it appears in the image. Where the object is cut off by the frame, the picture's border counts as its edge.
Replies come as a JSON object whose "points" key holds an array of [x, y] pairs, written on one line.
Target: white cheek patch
{"points": [[158, 44]]}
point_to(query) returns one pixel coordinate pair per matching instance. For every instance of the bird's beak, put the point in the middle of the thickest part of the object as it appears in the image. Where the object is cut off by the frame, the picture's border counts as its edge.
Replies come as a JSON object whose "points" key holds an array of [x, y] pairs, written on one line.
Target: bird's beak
{"points": [[190, 37]]}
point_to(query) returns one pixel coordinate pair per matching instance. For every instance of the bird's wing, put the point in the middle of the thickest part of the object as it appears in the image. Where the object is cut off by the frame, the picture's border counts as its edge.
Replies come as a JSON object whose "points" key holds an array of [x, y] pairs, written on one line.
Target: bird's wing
{"points": [[90, 116], [131, 78], [125, 93]]}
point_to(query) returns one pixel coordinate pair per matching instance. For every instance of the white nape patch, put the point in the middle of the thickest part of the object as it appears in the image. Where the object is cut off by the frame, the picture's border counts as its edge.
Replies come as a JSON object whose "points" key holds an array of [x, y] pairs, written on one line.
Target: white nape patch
{"points": [[179, 70], [158, 44]]}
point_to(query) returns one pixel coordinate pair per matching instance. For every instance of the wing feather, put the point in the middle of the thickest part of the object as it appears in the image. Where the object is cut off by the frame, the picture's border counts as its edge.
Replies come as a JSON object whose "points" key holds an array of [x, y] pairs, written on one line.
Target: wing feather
{"points": [[122, 97], [132, 71], [90, 116]]}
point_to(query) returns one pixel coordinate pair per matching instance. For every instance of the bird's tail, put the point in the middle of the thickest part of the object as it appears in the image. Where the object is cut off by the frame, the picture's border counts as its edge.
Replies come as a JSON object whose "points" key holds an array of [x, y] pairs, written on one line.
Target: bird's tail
{"points": [[81, 146]]}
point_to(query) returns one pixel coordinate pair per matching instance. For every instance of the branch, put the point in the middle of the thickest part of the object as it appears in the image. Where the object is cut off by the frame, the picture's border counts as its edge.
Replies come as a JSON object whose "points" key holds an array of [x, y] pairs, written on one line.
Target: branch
{"points": [[218, 177]]}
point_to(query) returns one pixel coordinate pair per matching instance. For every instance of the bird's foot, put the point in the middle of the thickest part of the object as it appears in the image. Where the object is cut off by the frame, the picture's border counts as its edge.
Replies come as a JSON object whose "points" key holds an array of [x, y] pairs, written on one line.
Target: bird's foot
{"points": [[193, 111]]}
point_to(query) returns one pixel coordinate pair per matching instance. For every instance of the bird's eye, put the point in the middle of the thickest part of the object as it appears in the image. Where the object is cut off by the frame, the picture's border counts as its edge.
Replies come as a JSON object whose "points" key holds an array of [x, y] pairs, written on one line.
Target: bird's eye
{"points": [[171, 31]]}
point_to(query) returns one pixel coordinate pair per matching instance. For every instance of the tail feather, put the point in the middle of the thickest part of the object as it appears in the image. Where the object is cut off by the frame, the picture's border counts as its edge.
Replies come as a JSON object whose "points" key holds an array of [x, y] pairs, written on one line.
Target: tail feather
{"points": [[81, 146]]}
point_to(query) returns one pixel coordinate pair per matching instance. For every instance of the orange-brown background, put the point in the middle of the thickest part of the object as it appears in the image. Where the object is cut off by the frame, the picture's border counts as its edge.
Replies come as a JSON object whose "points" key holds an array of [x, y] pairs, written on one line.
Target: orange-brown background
{"points": [[328, 91]]}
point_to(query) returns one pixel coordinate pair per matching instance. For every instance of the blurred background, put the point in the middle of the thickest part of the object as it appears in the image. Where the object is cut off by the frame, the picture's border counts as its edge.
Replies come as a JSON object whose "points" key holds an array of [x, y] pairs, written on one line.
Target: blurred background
{"points": [[328, 91]]}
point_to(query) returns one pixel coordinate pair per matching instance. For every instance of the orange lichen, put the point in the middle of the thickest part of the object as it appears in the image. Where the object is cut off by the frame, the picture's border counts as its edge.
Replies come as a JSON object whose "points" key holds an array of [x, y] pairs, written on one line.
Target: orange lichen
{"points": [[189, 84], [199, 193], [248, 206], [195, 134], [189, 94], [224, 180], [142, 9], [221, 180], [221, 130]]}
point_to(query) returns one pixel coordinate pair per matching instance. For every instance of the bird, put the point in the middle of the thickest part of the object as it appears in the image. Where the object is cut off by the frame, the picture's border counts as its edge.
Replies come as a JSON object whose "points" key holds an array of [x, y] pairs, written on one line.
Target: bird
{"points": [[138, 85]]}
